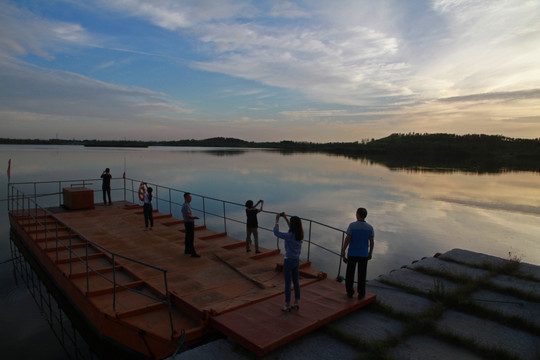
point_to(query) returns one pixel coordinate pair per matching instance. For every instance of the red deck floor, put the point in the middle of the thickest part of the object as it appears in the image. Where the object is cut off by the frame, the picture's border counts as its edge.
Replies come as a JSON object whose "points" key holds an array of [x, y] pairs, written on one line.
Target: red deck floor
{"points": [[237, 293]]}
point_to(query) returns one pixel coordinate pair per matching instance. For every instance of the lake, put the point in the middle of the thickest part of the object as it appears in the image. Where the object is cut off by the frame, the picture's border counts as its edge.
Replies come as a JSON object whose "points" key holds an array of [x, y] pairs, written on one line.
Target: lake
{"points": [[414, 213]]}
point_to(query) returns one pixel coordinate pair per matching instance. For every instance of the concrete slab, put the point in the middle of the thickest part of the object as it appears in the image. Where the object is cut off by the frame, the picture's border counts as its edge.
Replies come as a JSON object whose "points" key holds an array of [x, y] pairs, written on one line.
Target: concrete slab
{"points": [[397, 299], [511, 282], [372, 326], [530, 270], [369, 326], [419, 281], [508, 305], [455, 269], [491, 334], [316, 345], [423, 347], [473, 258], [217, 350]]}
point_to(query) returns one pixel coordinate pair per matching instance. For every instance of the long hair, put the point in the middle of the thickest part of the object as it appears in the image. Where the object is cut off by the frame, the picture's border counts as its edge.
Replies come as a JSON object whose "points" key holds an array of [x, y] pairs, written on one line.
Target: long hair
{"points": [[296, 228], [150, 190]]}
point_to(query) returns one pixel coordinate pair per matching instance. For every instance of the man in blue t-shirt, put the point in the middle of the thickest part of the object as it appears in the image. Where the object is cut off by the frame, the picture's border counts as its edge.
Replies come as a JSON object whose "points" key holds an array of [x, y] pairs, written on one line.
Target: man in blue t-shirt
{"points": [[360, 240]]}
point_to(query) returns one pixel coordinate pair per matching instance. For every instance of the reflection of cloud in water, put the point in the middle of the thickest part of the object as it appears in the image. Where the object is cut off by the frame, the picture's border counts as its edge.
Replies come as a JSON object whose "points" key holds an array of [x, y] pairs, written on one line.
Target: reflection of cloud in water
{"points": [[414, 214], [526, 209]]}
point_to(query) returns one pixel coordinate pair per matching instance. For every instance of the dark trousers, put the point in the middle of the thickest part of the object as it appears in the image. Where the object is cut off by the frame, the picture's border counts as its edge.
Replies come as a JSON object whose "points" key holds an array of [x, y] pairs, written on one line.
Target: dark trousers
{"points": [[352, 261], [106, 192], [148, 215], [190, 235]]}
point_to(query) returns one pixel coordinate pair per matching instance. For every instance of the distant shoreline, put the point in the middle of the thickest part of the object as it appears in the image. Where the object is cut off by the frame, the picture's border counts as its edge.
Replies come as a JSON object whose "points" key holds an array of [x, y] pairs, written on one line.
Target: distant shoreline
{"points": [[424, 152]]}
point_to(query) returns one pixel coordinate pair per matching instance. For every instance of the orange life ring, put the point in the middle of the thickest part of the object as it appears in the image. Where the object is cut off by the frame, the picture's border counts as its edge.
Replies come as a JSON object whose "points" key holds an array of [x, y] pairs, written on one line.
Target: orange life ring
{"points": [[142, 191]]}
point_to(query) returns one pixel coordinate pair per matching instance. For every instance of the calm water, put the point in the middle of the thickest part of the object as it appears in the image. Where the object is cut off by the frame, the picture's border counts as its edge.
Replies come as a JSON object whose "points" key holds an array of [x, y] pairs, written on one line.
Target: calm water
{"points": [[415, 214]]}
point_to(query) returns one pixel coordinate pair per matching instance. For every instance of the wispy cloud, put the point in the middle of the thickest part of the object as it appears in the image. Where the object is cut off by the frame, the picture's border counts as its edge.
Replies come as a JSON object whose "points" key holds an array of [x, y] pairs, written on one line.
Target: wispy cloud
{"points": [[350, 67], [509, 95]]}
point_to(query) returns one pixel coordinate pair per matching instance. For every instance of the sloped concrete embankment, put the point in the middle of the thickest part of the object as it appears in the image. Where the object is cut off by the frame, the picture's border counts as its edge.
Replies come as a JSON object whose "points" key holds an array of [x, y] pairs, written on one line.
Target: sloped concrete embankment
{"points": [[456, 305]]}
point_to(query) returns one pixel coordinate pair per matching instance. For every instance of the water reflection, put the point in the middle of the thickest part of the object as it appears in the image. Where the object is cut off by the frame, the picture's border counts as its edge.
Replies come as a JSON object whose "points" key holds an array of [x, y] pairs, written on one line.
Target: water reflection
{"points": [[414, 213]]}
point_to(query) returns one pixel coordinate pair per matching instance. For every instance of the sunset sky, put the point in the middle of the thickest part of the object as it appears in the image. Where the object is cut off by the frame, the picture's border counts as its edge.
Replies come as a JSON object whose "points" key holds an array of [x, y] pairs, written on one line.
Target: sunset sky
{"points": [[313, 70]]}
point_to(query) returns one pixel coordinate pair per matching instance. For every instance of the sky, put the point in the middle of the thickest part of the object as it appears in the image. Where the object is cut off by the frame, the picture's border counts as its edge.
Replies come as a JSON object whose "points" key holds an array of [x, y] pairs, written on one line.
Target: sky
{"points": [[313, 70]]}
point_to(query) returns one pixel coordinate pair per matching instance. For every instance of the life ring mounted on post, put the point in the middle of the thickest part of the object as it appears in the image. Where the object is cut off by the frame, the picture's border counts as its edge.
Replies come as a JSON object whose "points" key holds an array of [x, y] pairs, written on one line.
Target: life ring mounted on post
{"points": [[142, 191]]}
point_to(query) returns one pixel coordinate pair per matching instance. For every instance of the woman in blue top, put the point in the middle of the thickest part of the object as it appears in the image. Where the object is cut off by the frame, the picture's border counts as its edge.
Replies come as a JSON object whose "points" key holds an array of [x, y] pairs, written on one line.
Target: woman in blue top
{"points": [[291, 263]]}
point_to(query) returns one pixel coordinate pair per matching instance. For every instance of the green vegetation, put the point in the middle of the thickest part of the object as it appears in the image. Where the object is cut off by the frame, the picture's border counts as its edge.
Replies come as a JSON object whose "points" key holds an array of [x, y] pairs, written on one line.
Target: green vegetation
{"points": [[417, 152]]}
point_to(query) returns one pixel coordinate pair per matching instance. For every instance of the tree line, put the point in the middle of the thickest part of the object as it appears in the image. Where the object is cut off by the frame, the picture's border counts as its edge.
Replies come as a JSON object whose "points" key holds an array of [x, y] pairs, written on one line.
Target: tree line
{"points": [[473, 152]]}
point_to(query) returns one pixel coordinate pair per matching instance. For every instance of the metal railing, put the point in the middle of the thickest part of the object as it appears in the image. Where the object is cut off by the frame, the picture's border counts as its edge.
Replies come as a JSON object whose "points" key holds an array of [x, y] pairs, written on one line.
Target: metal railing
{"points": [[215, 214], [166, 200], [34, 217], [64, 328]]}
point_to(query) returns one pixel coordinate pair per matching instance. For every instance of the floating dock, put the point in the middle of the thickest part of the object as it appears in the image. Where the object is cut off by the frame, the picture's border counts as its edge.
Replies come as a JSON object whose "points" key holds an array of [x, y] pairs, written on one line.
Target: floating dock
{"points": [[138, 288]]}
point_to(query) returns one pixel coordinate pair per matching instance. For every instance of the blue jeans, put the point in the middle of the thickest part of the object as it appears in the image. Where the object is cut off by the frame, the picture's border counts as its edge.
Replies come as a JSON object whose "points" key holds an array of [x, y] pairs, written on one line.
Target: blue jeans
{"points": [[290, 271]]}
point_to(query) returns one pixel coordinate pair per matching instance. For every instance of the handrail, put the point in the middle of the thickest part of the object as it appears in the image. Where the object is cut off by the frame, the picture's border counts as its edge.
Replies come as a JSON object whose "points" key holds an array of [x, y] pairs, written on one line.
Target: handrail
{"points": [[205, 213], [33, 211], [164, 200]]}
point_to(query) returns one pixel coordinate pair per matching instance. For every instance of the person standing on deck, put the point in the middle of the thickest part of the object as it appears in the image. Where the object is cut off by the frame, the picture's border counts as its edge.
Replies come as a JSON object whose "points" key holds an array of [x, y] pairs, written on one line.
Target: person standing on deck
{"points": [[189, 225], [147, 209], [252, 224], [360, 237], [291, 262], [106, 185]]}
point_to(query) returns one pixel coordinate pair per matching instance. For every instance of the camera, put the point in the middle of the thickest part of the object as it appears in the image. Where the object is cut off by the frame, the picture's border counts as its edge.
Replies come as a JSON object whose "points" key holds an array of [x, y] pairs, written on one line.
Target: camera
{"points": [[282, 214]]}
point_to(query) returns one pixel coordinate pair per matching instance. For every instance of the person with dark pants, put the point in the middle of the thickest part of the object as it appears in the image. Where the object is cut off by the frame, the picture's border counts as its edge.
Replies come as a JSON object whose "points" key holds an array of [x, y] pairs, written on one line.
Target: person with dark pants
{"points": [[147, 209], [106, 186], [252, 224], [189, 225], [360, 240]]}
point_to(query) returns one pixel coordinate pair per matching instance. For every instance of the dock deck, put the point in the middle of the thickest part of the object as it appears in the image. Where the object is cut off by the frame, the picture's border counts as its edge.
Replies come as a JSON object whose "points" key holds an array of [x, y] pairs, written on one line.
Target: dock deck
{"points": [[229, 290]]}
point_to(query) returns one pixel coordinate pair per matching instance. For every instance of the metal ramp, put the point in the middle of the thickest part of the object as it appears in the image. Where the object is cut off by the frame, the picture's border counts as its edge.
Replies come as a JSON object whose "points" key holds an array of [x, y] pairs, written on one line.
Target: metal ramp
{"points": [[262, 327]]}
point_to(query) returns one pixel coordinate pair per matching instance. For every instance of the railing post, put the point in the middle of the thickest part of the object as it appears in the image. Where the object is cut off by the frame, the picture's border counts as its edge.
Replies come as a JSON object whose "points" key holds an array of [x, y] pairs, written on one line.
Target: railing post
{"points": [[114, 282], [170, 202], [87, 277], [204, 211], [36, 215], [69, 251], [309, 240], [46, 230], [168, 295], [157, 198], [224, 216], [28, 213], [342, 242], [56, 237], [132, 194], [59, 193]]}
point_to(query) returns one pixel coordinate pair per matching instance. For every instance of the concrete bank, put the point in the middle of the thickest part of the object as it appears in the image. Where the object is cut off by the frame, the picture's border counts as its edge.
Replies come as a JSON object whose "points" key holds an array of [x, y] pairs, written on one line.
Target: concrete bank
{"points": [[456, 305]]}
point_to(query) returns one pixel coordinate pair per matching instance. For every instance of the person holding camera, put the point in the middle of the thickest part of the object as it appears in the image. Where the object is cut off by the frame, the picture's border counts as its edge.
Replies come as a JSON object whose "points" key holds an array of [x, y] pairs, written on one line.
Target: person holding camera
{"points": [[106, 185], [252, 224], [291, 263], [360, 237]]}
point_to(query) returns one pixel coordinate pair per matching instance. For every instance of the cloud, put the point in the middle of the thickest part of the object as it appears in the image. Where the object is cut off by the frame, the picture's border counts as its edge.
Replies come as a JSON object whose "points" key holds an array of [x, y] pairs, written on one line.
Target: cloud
{"points": [[327, 70], [25, 33], [509, 95]]}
